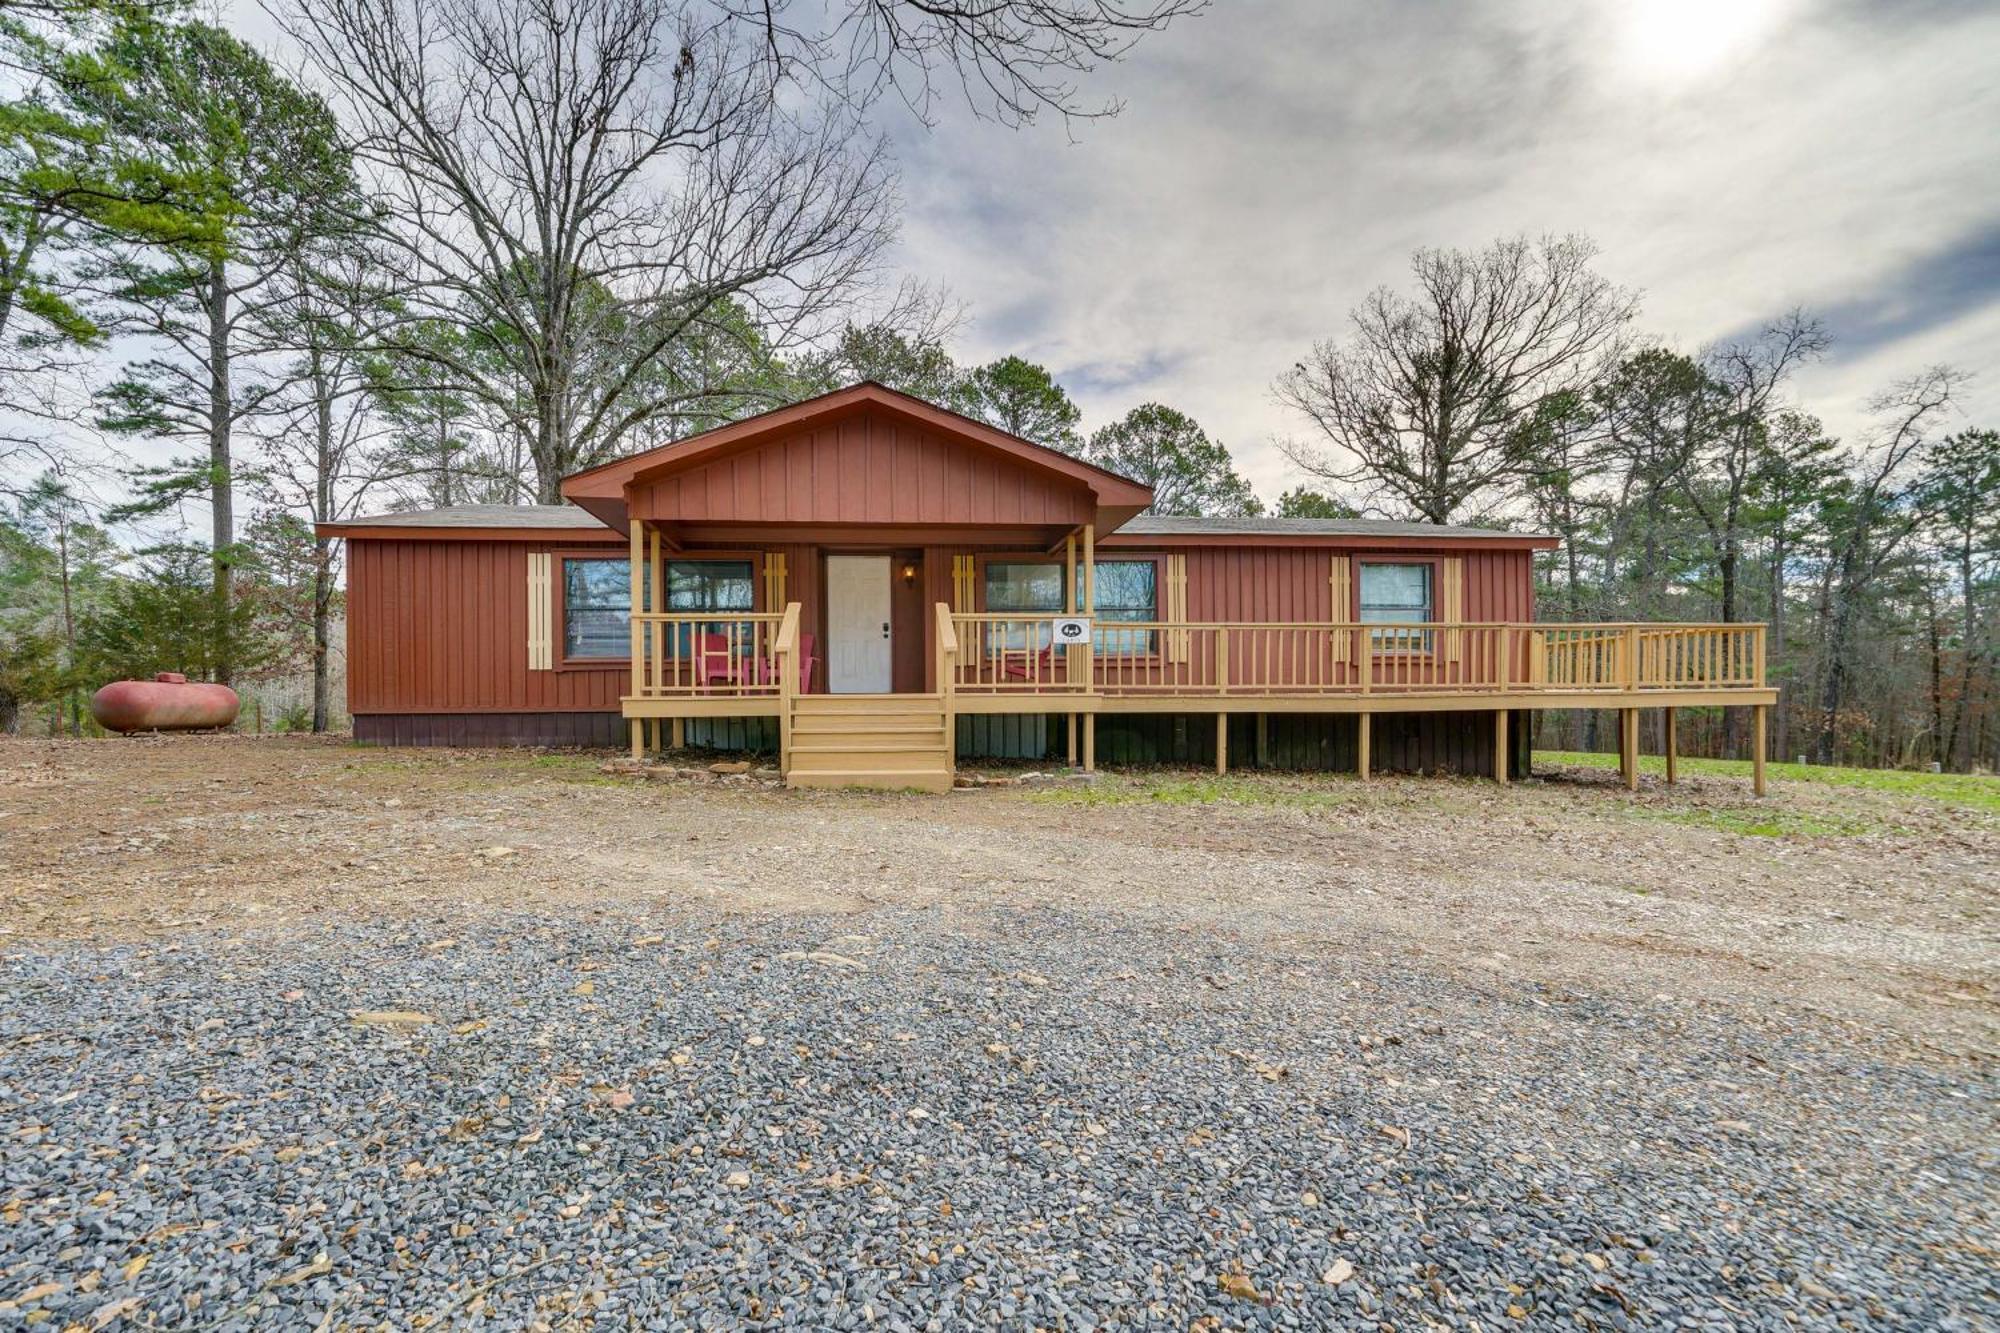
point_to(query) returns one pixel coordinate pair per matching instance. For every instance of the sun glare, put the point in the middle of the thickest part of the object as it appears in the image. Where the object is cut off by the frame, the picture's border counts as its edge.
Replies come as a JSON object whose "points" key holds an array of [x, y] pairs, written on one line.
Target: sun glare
{"points": [[1679, 40]]}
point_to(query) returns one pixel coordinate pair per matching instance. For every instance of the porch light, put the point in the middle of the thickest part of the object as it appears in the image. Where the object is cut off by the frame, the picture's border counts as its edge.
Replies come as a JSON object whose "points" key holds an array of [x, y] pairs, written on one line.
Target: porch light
{"points": [[909, 575]]}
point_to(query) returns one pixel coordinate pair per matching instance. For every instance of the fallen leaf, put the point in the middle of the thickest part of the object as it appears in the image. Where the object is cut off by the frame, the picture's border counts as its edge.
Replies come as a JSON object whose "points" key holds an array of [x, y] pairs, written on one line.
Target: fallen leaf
{"points": [[648, 941], [320, 1266], [1400, 1135], [532, 1136], [1239, 1286], [737, 1179], [136, 1265], [391, 1017], [35, 1293], [437, 946], [109, 1314], [586, 988], [469, 1025], [1340, 1272]]}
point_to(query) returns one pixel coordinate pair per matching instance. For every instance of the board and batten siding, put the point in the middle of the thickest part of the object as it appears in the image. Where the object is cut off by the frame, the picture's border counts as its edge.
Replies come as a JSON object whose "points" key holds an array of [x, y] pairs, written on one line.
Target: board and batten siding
{"points": [[450, 626], [869, 467], [443, 627]]}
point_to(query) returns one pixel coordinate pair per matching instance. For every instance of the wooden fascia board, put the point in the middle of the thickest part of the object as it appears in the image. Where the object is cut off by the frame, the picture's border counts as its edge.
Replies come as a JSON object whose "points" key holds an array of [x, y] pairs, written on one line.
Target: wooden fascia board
{"points": [[405, 532]]}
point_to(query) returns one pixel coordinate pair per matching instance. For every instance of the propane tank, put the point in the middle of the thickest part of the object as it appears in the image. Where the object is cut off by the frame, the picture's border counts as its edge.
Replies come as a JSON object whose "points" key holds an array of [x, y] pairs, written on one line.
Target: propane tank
{"points": [[167, 702]]}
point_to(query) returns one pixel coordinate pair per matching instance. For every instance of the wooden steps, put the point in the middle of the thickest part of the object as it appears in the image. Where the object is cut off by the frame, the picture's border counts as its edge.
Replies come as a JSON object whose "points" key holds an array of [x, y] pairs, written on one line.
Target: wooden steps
{"points": [[894, 741]]}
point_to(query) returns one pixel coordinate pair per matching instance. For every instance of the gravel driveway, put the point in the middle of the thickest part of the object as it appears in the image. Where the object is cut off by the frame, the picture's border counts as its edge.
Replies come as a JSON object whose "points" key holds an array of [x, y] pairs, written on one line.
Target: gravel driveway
{"points": [[907, 1118]]}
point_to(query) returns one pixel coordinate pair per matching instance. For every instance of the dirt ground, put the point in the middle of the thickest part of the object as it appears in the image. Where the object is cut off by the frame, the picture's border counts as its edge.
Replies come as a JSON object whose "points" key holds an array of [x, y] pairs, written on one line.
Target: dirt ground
{"points": [[1863, 908]]}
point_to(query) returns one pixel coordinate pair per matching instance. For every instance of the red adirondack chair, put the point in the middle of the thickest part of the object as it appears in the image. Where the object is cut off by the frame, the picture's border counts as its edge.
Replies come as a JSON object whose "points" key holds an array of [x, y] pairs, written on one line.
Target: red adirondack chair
{"points": [[767, 669], [715, 664]]}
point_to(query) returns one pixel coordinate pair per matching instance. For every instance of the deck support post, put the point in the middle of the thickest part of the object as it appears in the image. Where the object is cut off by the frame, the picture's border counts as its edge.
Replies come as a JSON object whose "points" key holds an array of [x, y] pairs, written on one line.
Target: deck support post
{"points": [[638, 738], [679, 734], [1263, 740], [1500, 746], [1670, 741], [1367, 730], [1757, 730], [1090, 742], [1071, 718], [1628, 747], [1221, 744]]}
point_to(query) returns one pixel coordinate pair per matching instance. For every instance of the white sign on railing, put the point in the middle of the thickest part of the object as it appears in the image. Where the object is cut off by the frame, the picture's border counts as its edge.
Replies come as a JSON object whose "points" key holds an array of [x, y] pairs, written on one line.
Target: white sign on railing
{"points": [[1072, 629]]}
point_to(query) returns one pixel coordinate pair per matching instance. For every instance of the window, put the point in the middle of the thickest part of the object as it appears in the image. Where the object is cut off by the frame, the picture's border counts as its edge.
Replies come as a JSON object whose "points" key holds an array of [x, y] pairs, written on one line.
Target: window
{"points": [[1026, 589], [597, 601], [597, 607], [1397, 594], [1126, 590], [713, 585], [710, 585]]}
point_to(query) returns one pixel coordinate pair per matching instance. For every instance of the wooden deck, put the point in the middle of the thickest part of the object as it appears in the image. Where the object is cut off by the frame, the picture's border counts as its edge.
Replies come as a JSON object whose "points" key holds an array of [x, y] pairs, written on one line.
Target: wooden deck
{"points": [[747, 665]]}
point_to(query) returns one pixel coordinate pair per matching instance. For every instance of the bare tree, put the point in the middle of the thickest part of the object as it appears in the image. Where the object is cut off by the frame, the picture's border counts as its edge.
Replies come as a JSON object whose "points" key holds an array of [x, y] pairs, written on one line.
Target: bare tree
{"points": [[585, 185], [1751, 375], [319, 454], [1870, 520], [1431, 402], [1011, 60]]}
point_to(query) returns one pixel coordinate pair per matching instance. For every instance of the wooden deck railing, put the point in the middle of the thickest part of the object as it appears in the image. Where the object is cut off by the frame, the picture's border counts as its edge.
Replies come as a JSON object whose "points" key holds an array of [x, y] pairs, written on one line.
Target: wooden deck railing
{"points": [[708, 655], [1001, 654]]}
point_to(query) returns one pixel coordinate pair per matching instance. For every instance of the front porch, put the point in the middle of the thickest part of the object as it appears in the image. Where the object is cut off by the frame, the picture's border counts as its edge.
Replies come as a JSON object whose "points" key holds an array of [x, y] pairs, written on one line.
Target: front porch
{"points": [[756, 664]]}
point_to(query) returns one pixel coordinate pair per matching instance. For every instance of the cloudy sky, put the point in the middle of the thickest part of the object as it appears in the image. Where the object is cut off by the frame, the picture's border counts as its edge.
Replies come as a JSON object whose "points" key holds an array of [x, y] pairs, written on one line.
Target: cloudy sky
{"points": [[1276, 159]]}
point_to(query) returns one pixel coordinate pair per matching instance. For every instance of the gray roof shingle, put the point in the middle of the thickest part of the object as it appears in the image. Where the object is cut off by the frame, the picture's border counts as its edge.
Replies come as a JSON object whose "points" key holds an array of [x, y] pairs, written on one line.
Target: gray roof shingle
{"points": [[1154, 525]]}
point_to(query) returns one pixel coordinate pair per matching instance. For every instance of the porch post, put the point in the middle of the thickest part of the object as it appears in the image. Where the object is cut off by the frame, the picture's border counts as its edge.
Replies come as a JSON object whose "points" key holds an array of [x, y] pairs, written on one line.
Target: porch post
{"points": [[1500, 746], [636, 595], [679, 734], [638, 738], [1071, 719], [1757, 752], [1090, 742], [1628, 746], [1367, 735], [1221, 743], [1672, 743]]}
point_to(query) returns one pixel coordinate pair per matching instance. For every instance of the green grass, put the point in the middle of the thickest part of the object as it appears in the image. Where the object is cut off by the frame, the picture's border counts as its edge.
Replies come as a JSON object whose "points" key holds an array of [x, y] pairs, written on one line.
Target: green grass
{"points": [[1957, 789]]}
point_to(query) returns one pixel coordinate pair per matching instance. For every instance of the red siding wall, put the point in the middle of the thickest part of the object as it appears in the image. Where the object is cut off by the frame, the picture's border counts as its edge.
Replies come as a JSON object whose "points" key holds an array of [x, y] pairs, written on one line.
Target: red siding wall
{"points": [[442, 627], [866, 468]]}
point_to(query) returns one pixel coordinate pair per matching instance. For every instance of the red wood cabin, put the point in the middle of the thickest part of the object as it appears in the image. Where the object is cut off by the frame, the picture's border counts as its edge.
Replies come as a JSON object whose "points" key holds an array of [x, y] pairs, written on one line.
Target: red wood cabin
{"points": [[874, 586]]}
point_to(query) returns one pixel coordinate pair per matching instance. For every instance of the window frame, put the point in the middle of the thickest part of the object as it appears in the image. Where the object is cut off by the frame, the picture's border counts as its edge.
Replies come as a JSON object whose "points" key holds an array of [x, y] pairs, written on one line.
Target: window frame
{"points": [[559, 627], [1154, 558], [1426, 645]]}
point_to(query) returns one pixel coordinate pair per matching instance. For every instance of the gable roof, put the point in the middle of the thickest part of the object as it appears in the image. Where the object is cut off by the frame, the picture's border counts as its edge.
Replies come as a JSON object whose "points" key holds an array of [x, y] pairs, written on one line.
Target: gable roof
{"points": [[602, 489]]}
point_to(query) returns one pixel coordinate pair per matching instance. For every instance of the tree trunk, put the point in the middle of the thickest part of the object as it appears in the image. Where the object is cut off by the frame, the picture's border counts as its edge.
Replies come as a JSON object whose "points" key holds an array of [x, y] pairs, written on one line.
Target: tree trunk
{"points": [[1775, 644], [322, 631], [222, 482]]}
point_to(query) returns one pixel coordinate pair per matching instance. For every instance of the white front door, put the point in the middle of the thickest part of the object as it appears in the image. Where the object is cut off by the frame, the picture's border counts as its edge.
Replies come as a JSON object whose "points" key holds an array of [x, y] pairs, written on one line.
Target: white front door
{"points": [[857, 624]]}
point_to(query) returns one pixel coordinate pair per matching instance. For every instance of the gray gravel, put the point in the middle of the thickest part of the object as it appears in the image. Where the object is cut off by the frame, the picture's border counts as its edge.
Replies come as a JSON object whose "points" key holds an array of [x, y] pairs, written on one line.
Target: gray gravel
{"points": [[946, 1120]]}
